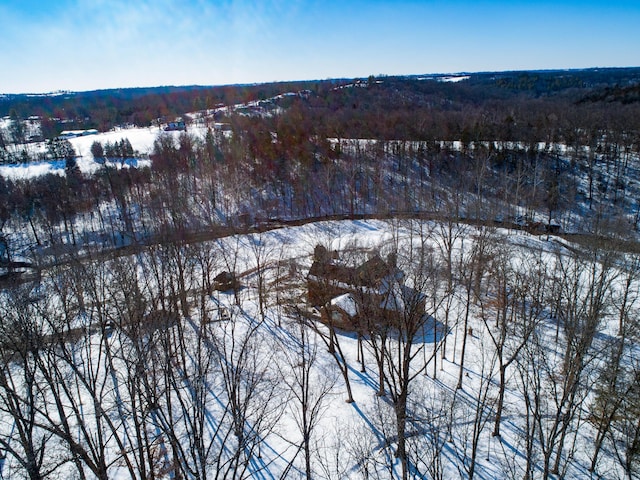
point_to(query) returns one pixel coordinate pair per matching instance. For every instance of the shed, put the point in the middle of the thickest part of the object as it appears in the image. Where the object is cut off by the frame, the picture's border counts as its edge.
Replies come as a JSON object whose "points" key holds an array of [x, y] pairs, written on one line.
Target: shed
{"points": [[225, 282]]}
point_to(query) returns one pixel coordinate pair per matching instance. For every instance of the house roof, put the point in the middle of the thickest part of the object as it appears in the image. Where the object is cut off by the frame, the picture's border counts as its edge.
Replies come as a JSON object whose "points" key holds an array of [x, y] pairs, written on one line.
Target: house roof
{"points": [[346, 303], [370, 274], [331, 271], [224, 277], [400, 298], [373, 271]]}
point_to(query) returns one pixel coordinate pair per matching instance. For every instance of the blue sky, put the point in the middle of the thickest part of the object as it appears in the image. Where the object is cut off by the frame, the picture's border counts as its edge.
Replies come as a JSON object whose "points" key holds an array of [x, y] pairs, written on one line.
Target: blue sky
{"points": [[93, 44]]}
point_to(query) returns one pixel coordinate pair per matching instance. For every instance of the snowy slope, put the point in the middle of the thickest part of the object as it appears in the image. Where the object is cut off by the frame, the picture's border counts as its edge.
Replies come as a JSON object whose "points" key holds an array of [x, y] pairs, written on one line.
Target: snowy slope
{"points": [[353, 440]]}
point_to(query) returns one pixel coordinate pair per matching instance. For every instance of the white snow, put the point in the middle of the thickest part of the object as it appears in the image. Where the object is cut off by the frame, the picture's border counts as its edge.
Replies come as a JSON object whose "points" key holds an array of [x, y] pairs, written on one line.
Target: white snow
{"points": [[349, 434], [346, 303], [141, 140], [454, 78]]}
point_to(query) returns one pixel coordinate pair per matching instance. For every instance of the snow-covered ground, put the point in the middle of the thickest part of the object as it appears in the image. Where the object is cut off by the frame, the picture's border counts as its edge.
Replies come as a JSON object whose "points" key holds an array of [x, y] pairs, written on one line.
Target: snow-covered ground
{"points": [[141, 140], [446, 424]]}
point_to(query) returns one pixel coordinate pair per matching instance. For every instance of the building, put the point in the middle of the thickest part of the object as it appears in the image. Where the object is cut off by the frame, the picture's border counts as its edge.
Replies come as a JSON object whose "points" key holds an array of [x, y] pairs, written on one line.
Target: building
{"points": [[226, 282], [65, 134], [370, 295], [175, 126]]}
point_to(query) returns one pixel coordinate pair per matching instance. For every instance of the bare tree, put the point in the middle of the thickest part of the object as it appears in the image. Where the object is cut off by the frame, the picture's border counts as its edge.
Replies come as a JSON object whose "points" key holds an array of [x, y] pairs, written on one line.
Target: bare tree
{"points": [[517, 303], [395, 326], [426, 447], [447, 234], [244, 363], [308, 388], [133, 361], [611, 389], [471, 414], [557, 369], [21, 340], [626, 431], [331, 339], [586, 296], [78, 370], [262, 252], [405, 347]]}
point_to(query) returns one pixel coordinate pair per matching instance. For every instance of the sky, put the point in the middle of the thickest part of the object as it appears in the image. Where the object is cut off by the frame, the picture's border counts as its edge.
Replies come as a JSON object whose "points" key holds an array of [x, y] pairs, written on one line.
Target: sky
{"points": [[81, 45]]}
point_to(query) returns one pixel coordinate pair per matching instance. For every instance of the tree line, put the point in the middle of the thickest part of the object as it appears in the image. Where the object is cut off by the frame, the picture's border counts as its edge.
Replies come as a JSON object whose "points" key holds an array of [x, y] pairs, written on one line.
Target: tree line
{"points": [[287, 167]]}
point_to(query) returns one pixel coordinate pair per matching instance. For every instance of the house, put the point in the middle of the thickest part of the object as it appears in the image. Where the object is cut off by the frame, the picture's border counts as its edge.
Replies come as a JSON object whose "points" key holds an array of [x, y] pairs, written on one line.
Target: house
{"points": [[342, 312], [540, 228], [66, 134], [372, 294], [536, 226], [328, 277], [175, 126]]}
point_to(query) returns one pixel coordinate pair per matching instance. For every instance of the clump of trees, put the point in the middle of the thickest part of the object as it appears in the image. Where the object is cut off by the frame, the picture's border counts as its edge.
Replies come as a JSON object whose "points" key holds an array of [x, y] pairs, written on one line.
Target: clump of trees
{"points": [[117, 150], [60, 148]]}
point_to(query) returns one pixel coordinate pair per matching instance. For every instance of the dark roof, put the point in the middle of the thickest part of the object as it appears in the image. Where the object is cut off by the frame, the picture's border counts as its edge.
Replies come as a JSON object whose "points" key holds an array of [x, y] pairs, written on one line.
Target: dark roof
{"points": [[371, 272], [224, 277], [331, 271]]}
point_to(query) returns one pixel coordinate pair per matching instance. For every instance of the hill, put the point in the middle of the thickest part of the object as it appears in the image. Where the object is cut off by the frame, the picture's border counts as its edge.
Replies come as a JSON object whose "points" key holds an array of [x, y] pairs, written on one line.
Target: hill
{"points": [[475, 236]]}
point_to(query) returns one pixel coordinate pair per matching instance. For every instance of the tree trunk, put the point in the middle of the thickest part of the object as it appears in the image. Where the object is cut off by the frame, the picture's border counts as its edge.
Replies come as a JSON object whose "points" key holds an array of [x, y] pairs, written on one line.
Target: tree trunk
{"points": [[401, 427], [496, 428], [464, 338]]}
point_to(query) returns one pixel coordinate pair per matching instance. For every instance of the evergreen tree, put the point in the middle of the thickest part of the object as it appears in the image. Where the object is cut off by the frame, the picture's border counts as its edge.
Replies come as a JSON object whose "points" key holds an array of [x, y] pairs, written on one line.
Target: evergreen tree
{"points": [[71, 167], [15, 127], [4, 155], [97, 150], [60, 149], [126, 150]]}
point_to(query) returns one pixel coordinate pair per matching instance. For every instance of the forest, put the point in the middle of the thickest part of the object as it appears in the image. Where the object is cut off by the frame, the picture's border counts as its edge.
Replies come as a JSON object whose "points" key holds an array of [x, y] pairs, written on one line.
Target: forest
{"points": [[509, 201]]}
